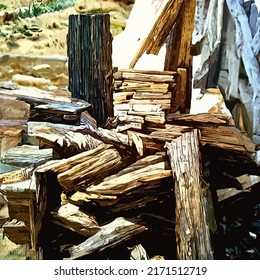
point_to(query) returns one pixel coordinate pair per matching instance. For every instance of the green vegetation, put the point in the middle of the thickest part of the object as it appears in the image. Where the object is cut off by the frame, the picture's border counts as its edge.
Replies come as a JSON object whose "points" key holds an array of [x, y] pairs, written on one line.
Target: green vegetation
{"points": [[3, 7], [36, 9]]}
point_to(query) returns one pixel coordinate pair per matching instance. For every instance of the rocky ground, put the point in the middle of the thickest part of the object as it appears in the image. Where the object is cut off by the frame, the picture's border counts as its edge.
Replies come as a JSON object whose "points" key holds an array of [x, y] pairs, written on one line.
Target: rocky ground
{"points": [[46, 33]]}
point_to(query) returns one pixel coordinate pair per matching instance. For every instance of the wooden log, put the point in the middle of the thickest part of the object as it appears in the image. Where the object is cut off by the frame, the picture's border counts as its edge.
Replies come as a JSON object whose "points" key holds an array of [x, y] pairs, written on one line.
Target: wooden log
{"points": [[126, 182], [71, 217], [65, 140], [59, 166], [90, 62], [109, 235], [192, 233], [92, 169]]}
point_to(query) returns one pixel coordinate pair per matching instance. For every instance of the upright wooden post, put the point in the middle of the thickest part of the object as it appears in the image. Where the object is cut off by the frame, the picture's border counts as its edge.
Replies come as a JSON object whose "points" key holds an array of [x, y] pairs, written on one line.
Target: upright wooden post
{"points": [[192, 232], [178, 50], [90, 62]]}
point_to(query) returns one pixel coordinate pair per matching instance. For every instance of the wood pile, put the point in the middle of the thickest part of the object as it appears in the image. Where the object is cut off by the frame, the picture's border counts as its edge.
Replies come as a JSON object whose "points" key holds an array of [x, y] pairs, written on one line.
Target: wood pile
{"points": [[143, 97], [124, 177]]}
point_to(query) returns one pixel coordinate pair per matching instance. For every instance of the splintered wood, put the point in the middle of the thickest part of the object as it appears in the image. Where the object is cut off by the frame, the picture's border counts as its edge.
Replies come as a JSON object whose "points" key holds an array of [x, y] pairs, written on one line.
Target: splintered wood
{"points": [[192, 234], [109, 235], [143, 97]]}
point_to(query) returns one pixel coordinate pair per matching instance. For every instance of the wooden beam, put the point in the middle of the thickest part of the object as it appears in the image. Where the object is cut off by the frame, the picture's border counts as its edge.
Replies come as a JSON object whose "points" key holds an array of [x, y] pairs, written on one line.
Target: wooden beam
{"points": [[160, 30], [178, 52]]}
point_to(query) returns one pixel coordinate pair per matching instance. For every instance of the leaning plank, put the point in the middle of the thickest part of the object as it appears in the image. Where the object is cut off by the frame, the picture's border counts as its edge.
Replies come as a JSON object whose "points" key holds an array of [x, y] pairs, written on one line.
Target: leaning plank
{"points": [[71, 217], [109, 235], [192, 233], [160, 30]]}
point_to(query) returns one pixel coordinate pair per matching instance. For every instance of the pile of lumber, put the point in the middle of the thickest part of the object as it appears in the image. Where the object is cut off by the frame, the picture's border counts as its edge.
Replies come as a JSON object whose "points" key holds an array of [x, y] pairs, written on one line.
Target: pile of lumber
{"points": [[143, 96]]}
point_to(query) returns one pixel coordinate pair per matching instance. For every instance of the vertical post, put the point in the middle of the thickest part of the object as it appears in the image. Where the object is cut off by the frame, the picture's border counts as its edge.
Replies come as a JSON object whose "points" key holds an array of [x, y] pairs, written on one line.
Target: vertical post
{"points": [[192, 231], [90, 62], [178, 50]]}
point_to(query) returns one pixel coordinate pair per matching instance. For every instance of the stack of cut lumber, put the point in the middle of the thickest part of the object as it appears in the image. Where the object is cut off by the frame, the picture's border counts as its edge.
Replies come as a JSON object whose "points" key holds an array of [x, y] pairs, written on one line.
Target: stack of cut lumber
{"points": [[142, 96]]}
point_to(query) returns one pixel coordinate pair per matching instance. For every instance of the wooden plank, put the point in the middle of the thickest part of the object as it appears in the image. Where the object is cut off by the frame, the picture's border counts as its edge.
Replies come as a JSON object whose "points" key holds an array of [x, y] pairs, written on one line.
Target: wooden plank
{"points": [[160, 30], [126, 182]]}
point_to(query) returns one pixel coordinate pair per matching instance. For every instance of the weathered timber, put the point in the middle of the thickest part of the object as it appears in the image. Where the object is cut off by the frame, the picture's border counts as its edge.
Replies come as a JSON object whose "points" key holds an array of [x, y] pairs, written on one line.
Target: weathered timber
{"points": [[160, 30], [199, 119], [109, 235], [65, 140], [178, 50], [178, 53], [192, 233], [71, 217], [59, 166], [126, 182], [90, 62], [92, 170], [229, 138], [59, 112], [250, 61]]}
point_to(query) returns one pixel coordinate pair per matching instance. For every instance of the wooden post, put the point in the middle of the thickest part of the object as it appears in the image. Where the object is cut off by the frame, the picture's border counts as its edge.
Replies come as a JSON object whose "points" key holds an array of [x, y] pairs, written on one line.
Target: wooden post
{"points": [[90, 62], [178, 50], [192, 232]]}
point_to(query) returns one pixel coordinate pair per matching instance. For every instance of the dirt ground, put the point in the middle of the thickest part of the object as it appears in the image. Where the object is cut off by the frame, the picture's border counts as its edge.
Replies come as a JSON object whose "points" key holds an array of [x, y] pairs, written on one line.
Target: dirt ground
{"points": [[47, 33]]}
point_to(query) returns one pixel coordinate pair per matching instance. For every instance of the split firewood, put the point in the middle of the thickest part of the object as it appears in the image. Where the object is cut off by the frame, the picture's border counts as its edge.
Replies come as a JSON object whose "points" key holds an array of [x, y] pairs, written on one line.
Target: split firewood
{"points": [[126, 182], [64, 139], [108, 236], [71, 217], [62, 165], [95, 167]]}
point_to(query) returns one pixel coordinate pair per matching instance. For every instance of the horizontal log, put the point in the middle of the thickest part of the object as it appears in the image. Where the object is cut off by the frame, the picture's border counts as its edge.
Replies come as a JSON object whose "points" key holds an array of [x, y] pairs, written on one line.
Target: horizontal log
{"points": [[92, 170], [62, 165], [126, 182]]}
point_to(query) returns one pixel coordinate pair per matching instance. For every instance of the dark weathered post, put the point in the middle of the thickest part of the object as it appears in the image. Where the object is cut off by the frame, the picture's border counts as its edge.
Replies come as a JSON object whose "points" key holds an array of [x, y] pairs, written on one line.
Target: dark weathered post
{"points": [[90, 62]]}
